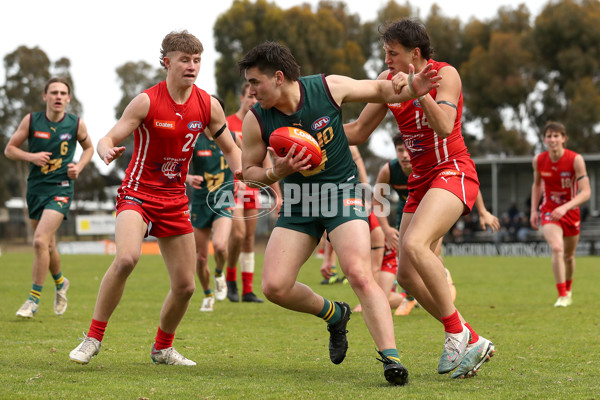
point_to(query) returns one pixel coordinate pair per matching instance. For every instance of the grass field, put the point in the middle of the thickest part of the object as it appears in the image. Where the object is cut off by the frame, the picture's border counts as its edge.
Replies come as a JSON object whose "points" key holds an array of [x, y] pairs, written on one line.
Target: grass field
{"points": [[261, 351]]}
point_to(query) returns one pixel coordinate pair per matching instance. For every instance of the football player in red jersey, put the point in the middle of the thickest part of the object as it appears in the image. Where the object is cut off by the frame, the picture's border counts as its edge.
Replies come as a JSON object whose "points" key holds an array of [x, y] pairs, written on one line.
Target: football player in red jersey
{"points": [[443, 185], [560, 175], [166, 121]]}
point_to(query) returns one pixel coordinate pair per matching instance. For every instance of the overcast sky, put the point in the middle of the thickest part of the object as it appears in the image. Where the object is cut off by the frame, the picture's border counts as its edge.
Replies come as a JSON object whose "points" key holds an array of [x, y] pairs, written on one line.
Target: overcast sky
{"points": [[100, 36]]}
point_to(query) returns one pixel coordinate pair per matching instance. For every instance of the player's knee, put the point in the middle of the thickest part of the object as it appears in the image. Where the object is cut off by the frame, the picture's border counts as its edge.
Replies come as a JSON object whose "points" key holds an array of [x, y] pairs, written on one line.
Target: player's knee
{"points": [[184, 290], [557, 250], [569, 259], [273, 292], [412, 248], [357, 279], [41, 244], [125, 263], [220, 247]]}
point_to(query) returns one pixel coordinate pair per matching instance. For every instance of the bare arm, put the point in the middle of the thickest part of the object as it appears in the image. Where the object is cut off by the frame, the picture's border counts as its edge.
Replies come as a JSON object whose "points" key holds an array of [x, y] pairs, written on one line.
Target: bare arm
{"points": [[135, 112], [369, 119], [13, 149], [536, 195], [441, 116], [268, 163], [391, 234], [84, 139], [345, 89], [583, 194], [486, 218], [360, 164]]}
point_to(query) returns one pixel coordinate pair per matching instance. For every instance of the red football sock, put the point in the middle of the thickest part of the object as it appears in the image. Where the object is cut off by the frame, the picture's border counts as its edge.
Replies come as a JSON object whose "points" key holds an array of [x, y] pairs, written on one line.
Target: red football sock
{"points": [[247, 278], [562, 289], [452, 323], [97, 329], [163, 339], [231, 275], [569, 284], [474, 335]]}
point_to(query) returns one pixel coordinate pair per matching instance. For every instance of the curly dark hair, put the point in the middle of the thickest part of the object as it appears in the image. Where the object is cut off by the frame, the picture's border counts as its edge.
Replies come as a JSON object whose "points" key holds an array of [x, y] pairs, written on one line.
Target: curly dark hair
{"points": [[410, 33]]}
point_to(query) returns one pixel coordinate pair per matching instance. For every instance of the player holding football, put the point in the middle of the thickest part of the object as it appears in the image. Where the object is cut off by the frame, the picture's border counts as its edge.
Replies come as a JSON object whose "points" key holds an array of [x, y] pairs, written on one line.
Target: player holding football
{"points": [[166, 120], [443, 186], [313, 103], [52, 136], [241, 243], [560, 175]]}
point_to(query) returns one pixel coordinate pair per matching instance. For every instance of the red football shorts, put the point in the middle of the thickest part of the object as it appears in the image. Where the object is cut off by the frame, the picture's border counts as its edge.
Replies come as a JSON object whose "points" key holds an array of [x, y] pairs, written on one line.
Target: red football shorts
{"points": [[457, 176], [570, 222], [249, 199], [165, 216], [390, 261]]}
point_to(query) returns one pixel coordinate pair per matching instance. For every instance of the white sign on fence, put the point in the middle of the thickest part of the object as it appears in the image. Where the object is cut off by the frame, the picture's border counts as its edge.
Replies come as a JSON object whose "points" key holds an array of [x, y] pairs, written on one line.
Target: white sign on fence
{"points": [[95, 224]]}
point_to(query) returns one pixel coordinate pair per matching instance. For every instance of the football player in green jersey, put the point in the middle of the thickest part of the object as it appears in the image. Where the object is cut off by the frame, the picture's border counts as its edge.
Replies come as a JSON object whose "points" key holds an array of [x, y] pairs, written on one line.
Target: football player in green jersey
{"points": [[52, 136], [313, 103]]}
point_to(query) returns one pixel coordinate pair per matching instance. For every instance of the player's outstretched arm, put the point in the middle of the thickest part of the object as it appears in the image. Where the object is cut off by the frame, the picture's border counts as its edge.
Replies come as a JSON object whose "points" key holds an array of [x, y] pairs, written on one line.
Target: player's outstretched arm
{"points": [[345, 89]]}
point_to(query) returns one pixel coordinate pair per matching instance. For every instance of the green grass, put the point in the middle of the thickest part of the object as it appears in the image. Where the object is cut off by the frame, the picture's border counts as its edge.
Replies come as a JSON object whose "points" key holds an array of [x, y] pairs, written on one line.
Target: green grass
{"points": [[261, 351]]}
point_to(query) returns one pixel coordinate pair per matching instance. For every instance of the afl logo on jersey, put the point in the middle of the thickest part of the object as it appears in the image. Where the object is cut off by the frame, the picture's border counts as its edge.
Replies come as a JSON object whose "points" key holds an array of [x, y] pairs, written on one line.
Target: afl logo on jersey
{"points": [[195, 126], [164, 124], [320, 123], [65, 136]]}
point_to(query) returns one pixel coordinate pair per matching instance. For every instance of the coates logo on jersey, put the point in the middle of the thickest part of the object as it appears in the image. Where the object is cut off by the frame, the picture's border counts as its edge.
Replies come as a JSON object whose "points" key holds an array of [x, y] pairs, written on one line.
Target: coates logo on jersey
{"points": [[353, 202], [195, 126], [42, 135], [65, 136], [204, 153], [320, 123], [158, 123]]}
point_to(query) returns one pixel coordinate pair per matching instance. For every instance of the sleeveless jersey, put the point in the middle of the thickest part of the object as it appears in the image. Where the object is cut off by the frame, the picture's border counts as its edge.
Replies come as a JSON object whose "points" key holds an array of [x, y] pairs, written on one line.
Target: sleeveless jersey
{"points": [[208, 161], [59, 138], [399, 182], [426, 149], [320, 116], [164, 142], [235, 125], [559, 180]]}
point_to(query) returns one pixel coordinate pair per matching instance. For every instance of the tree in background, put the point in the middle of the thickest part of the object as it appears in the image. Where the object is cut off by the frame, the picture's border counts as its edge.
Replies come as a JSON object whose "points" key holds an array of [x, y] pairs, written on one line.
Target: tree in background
{"points": [[566, 37]]}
